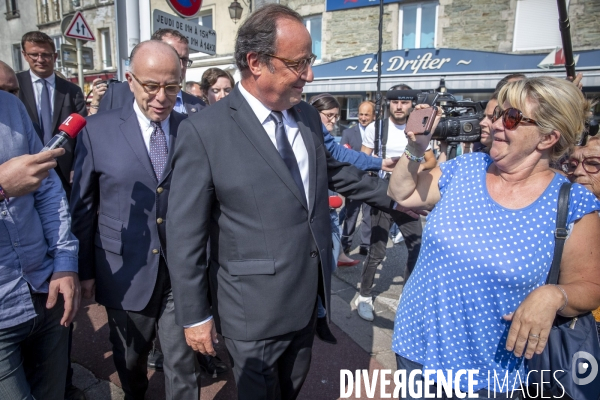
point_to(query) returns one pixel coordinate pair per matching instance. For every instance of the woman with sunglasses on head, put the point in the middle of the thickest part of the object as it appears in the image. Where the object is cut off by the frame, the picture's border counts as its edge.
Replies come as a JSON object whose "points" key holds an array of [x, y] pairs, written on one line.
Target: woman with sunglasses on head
{"points": [[215, 85], [477, 298]]}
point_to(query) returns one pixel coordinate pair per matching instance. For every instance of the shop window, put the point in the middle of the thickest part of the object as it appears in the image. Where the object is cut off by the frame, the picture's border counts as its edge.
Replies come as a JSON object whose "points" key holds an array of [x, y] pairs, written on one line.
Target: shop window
{"points": [[536, 25], [313, 24], [418, 25]]}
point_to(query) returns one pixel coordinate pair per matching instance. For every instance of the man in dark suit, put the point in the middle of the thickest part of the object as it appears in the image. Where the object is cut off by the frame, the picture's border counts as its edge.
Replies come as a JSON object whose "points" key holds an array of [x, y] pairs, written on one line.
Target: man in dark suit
{"points": [[49, 100], [119, 202], [119, 94], [353, 137], [259, 190]]}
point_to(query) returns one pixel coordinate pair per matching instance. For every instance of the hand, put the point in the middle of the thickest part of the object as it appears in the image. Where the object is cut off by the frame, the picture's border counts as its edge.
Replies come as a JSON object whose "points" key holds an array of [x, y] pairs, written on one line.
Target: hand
{"points": [[66, 283], [415, 213], [417, 144], [88, 288], [388, 164], [201, 338], [577, 80], [24, 174], [98, 90], [534, 316]]}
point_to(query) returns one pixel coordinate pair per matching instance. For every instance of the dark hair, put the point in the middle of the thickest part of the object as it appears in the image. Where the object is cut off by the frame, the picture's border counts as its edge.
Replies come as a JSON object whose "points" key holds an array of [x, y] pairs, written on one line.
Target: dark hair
{"points": [[39, 38], [190, 84], [162, 32], [324, 101], [400, 86], [495, 94], [211, 76], [258, 33], [505, 80]]}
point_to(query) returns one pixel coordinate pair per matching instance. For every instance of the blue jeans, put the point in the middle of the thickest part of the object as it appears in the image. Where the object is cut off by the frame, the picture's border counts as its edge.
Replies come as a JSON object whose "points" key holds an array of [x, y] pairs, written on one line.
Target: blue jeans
{"points": [[33, 355], [408, 366], [335, 237]]}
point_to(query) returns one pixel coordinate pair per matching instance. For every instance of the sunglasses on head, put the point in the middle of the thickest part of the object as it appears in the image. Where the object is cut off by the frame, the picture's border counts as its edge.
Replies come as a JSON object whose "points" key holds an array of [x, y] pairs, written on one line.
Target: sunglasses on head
{"points": [[511, 117]]}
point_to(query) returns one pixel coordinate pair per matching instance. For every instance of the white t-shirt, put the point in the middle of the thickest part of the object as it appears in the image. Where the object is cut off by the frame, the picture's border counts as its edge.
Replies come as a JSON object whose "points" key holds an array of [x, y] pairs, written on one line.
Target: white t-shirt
{"points": [[396, 139]]}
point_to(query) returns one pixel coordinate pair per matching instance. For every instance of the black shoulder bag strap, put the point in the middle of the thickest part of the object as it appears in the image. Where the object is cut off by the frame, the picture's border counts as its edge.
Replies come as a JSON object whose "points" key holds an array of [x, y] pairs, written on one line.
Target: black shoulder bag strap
{"points": [[560, 233], [384, 137]]}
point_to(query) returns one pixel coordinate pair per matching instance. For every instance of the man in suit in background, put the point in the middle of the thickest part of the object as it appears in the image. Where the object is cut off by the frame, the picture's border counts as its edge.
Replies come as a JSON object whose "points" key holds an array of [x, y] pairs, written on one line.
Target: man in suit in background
{"points": [[259, 191], [119, 94], [119, 202], [49, 100], [353, 137]]}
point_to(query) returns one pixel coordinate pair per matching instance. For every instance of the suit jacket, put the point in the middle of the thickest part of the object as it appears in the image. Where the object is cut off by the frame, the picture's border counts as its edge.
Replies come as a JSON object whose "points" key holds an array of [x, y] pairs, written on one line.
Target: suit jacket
{"points": [[270, 251], [117, 205], [119, 94], [353, 137], [68, 99]]}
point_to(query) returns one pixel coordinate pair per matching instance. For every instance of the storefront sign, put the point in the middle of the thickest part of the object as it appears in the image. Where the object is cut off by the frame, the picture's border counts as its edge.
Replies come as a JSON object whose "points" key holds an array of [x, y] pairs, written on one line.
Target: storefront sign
{"points": [[335, 5], [440, 62]]}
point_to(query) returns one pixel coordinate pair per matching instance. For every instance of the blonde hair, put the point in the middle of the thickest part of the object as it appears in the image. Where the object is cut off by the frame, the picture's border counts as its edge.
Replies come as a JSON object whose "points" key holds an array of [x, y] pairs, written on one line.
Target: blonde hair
{"points": [[557, 105]]}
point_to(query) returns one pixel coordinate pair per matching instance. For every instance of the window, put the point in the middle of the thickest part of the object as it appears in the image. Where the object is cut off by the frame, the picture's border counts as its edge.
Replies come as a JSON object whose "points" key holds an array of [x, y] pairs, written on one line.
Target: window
{"points": [[12, 10], [313, 24], [16, 56], [536, 26], [418, 26], [106, 49], [58, 40], [204, 19]]}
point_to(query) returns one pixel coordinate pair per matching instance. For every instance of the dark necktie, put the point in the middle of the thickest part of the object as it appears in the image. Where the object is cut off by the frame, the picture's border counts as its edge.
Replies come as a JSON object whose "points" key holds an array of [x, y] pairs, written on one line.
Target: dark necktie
{"points": [[285, 150], [158, 149], [46, 112]]}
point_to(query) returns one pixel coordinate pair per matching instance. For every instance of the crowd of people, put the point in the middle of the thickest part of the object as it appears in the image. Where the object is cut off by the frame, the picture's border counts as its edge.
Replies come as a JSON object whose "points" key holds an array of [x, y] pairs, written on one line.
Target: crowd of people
{"points": [[205, 210]]}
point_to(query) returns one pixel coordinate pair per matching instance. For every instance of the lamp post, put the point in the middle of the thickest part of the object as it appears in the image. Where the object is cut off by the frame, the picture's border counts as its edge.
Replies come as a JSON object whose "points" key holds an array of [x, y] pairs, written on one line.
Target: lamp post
{"points": [[235, 11]]}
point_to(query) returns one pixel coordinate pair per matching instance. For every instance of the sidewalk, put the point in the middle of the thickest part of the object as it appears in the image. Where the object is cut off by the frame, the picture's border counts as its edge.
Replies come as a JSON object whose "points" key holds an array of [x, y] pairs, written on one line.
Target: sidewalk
{"points": [[361, 344]]}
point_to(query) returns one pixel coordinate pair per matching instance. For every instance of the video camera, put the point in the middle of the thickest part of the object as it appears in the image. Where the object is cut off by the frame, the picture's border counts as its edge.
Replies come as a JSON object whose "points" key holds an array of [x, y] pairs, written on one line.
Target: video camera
{"points": [[460, 119]]}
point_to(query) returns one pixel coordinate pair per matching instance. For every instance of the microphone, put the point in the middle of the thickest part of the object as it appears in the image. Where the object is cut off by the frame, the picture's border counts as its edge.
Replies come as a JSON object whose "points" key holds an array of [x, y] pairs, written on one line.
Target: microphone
{"points": [[68, 130], [403, 95], [335, 201]]}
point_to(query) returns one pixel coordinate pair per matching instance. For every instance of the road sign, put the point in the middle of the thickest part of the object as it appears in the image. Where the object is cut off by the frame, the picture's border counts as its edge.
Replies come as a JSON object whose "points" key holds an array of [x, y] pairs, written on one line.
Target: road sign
{"points": [[79, 28], [185, 8], [200, 39], [64, 24], [68, 56]]}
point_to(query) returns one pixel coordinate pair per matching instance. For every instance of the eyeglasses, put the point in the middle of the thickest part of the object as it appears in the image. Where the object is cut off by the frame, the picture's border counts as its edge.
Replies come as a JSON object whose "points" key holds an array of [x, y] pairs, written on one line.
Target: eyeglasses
{"points": [[511, 117], [331, 117], [297, 65], [35, 56], [154, 88], [186, 61], [591, 165]]}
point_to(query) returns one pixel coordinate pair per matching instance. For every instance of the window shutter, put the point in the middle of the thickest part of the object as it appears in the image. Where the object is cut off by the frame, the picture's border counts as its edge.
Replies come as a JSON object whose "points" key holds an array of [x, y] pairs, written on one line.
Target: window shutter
{"points": [[536, 25]]}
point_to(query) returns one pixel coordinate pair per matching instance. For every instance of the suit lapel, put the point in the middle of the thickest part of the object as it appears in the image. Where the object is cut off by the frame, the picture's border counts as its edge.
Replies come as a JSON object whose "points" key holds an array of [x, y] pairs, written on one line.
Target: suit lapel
{"points": [[306, 133], [242, 114], [60, 91], [174, 121], [28, 96], [130, 128]]}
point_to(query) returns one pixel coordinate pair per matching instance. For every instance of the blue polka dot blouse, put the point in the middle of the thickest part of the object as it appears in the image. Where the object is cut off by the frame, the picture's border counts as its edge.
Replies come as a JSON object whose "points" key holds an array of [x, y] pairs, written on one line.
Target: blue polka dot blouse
{"points": [[478, 262]]}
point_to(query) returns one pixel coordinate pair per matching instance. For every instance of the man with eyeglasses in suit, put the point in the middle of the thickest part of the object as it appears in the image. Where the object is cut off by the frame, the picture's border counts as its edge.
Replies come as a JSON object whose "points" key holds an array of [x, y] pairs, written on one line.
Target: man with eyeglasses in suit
{"points": [[119, 202]]}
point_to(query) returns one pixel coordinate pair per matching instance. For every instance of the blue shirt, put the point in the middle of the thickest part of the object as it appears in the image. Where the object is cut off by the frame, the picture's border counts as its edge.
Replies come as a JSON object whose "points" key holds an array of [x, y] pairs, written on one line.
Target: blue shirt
{"points": [[358, 159], [478, 262], [179, 106], [35, 229]]}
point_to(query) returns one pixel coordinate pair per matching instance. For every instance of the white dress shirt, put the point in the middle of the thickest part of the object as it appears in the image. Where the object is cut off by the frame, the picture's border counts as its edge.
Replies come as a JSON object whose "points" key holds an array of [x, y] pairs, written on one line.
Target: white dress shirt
{"points": [[291, 129], [147, 129], [37, 84]]}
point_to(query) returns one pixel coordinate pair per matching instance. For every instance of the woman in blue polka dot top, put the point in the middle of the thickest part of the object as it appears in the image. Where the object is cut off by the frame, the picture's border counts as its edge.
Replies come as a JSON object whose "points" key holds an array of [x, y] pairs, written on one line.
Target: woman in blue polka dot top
{"points": [[477, 299]]}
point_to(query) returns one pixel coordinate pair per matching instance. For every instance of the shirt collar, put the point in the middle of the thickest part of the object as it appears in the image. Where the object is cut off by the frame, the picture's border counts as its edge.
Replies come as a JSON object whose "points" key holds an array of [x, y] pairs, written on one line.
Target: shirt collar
{"points": [[261, 111], [145, 121], [51, 79], [179, 99]]}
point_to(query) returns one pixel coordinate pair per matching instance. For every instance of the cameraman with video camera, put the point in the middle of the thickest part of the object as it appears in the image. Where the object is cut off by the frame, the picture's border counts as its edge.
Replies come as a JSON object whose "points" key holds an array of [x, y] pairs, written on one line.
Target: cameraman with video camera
{"points": [[392, 144]]}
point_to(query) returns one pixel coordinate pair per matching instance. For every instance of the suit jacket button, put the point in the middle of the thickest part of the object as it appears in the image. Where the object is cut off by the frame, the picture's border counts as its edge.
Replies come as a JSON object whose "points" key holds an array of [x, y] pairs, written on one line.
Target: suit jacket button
{"points": [[312, 220], [159, 190], [154, 251], [313, 254], [159, 221]]}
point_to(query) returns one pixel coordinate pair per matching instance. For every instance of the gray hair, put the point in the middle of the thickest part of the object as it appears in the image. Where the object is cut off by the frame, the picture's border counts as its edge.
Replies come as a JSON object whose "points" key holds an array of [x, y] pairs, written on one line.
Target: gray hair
{"points": [[258, 34]]}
